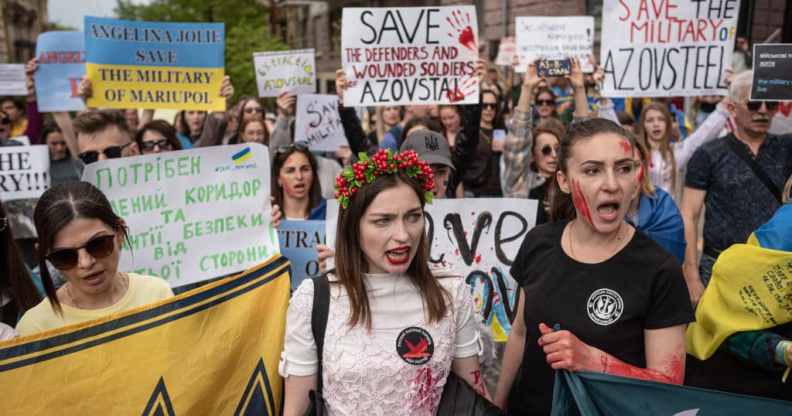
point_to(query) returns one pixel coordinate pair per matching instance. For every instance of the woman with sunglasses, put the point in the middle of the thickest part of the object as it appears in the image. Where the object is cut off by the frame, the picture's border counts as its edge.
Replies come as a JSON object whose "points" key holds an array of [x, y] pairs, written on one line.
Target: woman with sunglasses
{"points": [[296, 191], [248, 109], [82, 237], [157, 136], [547, 139]]}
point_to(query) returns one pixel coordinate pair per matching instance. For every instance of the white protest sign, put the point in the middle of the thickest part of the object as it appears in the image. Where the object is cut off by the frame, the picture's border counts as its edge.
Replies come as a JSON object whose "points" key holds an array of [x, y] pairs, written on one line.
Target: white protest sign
{"points": [[782, 121], [674, 48], [293, 71], [192, 214], [13, 80], [24, 171], [478, 239], [318, 123], [506, 51], [555, 38], [410, 55]]}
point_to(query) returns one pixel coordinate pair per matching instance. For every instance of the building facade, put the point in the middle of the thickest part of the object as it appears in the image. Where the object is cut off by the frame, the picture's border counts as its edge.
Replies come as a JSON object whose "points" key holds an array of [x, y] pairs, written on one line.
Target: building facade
{"points": [[22, 21]]}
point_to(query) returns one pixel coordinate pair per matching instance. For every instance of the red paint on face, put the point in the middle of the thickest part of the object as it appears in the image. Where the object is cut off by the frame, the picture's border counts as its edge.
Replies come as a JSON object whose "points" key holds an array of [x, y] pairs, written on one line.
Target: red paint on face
{"points": [[674, 370], [467, 40], [580, 202], [626, 146]]}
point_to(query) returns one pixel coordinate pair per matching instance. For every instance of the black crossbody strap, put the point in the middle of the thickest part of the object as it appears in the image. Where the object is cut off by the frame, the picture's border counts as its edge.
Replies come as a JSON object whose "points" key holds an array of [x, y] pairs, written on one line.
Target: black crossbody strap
{"points": [[742, 153], [321, 307]]}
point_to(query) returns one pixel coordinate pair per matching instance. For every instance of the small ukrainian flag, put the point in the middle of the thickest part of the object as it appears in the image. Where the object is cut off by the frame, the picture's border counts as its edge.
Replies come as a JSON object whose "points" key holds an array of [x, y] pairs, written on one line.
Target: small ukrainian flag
{"points": [[242, 156]]}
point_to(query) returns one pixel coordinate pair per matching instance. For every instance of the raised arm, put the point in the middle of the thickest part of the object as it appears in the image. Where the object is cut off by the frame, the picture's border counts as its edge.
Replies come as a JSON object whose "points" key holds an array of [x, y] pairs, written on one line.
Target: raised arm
{"points": [[353, 130], [517, 147], [576, 79], [64, 122], [35, 119], [708, 130]]}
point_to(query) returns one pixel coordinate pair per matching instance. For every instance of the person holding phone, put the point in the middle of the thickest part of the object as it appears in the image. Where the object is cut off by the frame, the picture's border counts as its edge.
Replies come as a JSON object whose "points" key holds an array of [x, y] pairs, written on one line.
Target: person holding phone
{"points": [[81, 236]]}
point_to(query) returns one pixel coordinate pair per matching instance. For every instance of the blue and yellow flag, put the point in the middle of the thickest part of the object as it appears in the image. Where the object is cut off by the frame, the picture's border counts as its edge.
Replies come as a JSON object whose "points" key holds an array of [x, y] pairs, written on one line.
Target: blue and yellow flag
{"points": [[210, 351], [750, 289]]}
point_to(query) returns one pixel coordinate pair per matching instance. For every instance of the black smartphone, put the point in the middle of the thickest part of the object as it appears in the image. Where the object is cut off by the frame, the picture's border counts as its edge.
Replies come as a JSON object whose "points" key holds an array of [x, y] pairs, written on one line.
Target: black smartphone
{"points": [[554, 67]]}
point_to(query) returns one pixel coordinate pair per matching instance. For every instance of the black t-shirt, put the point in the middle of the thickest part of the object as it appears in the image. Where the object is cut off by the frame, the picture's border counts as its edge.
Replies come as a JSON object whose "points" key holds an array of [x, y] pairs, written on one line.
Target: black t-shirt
{"points": [[607, 305], [540, 194]]}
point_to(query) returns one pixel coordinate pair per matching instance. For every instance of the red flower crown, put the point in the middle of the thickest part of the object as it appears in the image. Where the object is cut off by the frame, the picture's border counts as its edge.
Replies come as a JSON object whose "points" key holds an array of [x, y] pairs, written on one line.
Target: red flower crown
{"points": [[383, 163]]}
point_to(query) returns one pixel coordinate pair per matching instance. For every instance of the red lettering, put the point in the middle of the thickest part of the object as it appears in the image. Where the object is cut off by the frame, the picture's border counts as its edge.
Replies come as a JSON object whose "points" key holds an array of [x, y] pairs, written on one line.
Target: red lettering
{"points": [[626, 10]]}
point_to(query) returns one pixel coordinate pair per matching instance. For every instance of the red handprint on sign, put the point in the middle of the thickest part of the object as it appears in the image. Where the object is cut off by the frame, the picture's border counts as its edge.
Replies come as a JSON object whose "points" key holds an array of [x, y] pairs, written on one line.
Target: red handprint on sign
{"points": [[464, 32], [468, 87]]}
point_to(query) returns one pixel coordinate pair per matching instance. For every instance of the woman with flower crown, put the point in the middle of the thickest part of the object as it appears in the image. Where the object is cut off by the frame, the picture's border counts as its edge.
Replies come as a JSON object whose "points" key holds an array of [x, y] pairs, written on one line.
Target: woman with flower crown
{"points": [[395, 331]]}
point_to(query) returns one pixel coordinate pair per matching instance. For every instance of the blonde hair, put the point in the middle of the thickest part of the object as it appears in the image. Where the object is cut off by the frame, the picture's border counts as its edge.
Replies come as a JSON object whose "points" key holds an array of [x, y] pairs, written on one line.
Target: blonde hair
{"points": [[665, 144]]}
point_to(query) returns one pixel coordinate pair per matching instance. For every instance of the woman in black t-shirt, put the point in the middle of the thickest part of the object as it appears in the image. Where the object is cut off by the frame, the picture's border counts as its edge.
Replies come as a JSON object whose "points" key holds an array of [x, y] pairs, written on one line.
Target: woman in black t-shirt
{"points": [[617, 300]]}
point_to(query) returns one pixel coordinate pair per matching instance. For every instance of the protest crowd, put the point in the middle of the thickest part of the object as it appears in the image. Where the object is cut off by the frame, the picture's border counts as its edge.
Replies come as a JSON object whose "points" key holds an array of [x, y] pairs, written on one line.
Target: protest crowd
{"points": [[465, 236]]}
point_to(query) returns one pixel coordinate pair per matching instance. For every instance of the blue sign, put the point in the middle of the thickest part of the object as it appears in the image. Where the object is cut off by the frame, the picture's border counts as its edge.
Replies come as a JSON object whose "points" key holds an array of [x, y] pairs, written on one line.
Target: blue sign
{"points": [[298, 240], [61, 65]]}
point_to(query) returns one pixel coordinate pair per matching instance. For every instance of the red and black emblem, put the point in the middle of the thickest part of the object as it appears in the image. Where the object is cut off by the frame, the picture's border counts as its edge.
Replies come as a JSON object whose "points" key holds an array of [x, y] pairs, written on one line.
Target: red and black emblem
{"points": [[415, 346]]}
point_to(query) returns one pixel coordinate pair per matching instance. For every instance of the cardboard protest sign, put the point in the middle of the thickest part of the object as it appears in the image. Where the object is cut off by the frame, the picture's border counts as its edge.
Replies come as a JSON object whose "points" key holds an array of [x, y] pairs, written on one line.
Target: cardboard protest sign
{"points": [[24, 171], [772, 72], [318, 124], [555, 38], [479, 239], [192, 214], [13, 79], [155, 65], [674, 48], [293, 71], [61, 65], [298, 240], [506, 51], [410, 55]]}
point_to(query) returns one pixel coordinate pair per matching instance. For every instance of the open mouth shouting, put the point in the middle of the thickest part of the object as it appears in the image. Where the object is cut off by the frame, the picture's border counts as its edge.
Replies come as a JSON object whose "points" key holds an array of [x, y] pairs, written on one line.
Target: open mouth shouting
{"points": [[609, 211], [398, 256]]}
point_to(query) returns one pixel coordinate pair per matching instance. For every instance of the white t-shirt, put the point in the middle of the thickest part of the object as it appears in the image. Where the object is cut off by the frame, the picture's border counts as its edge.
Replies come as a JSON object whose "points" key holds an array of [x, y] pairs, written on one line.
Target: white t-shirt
{"points": [[400, 365]]}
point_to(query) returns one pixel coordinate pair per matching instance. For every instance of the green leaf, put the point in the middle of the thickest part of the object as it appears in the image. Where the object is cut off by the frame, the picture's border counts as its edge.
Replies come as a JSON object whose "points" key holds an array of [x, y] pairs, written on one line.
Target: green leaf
{"points": [[428, 197], [363, 157]]}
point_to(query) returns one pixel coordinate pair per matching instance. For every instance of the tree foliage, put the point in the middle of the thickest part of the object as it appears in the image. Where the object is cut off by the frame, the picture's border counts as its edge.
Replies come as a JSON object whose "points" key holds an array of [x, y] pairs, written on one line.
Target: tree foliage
{"points": [[246, 28]]}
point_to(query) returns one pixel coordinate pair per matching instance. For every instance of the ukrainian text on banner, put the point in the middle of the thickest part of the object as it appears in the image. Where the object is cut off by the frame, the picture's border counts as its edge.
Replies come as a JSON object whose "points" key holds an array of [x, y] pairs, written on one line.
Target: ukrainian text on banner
{"points": [[410, 55], [318, 124], [61, 64], [24, 171], [298, 240], [192, 214], [678, 48], [597, 394], [292, 71], [210, 351], [555, 38], [176, 66], [479, 239]]}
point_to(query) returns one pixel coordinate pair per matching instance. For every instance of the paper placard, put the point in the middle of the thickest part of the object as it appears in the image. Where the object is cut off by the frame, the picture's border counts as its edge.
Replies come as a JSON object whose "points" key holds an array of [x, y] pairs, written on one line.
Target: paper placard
{"points": [[506, 51], [410, 55], [61, 66], [674, 48], [292, 71], [298, 240], [318, 124], [192, 214], [24, 171], [555, 38], [13, 80], [135, 64]]}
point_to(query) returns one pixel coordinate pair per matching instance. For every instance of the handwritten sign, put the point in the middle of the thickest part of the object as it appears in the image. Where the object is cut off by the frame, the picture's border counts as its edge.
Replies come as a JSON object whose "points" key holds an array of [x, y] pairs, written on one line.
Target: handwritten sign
{"points": [[479, 239], [674, 48], [192, 214], [772, 76], [298, 240], [555, 38], [24, 171], [155, 65], [318, 124], [13, 79], [61, 66], [410, 55], [506, 50], [293, 71]]}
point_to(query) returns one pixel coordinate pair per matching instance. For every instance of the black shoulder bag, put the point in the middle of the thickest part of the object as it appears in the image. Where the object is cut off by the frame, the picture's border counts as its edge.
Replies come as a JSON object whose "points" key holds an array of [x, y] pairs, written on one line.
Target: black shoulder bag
{"points": [[321, 307], [741, 152]]}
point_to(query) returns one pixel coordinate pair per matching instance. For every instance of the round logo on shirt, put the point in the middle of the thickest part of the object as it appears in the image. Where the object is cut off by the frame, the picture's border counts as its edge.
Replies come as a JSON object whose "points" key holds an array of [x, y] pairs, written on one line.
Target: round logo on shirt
{"points": [[605, 306], [415, 346]]}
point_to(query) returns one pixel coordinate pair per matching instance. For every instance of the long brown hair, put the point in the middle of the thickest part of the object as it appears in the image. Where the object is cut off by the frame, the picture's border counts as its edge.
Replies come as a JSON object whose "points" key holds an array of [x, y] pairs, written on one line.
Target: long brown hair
{"points": [[58, 207], [665, 143], [281, 156], [561, 207], [14, 277], [351, 263]]}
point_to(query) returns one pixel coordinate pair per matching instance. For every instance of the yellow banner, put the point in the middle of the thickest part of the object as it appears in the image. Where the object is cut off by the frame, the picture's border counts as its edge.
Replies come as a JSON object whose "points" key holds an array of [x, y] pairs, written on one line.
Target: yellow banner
{"points": [[210, 351], [175, 88]]}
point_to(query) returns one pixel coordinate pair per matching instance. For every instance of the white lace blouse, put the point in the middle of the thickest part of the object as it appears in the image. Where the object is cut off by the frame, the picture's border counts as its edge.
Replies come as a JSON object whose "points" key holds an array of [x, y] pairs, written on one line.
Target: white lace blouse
{"points": [[400, 365]]}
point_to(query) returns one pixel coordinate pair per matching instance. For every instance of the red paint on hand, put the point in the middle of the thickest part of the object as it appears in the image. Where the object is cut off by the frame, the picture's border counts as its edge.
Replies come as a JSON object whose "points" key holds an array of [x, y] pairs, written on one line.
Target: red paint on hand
{"points": [[580, 202], [674, 371]]}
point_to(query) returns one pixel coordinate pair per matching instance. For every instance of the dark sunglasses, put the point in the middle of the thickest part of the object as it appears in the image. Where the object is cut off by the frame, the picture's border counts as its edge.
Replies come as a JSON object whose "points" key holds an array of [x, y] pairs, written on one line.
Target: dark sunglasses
{"points": [[98, 248], [547, 150], [489, 105], [756, 105], [254, 110], [163, 144], [286, 148], [112, 152], [545, 102]]}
